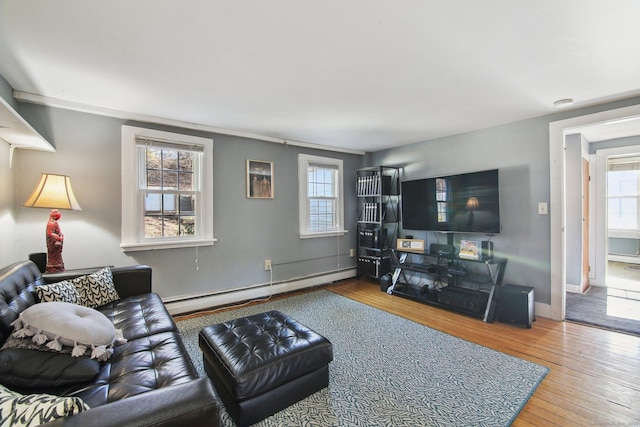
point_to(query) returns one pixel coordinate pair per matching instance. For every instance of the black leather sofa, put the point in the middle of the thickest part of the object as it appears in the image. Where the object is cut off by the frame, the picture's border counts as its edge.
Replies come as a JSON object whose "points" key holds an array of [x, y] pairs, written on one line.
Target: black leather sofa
{"points": [[148, 381]]}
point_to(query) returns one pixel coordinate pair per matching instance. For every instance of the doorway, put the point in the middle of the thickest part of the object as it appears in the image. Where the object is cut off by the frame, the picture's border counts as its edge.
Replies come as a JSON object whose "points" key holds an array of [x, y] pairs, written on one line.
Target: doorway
{"points": [[613, 300], [558, 203]]}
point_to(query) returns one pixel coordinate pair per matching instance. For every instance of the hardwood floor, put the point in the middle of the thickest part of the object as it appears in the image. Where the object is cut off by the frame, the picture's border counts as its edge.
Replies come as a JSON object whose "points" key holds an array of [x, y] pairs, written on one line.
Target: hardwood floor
{"points": [[594, 377]]}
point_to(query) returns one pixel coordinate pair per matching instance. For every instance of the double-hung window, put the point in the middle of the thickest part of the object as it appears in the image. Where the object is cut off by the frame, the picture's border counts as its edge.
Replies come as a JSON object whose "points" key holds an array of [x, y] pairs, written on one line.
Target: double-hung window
{"points": [[167, 199], [321, 207], [623, 196]]}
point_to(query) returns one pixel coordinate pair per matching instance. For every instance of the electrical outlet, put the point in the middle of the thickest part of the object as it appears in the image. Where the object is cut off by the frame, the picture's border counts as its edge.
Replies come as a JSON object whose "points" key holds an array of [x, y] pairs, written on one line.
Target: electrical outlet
{"points": [[267, 264], [352, 253]]}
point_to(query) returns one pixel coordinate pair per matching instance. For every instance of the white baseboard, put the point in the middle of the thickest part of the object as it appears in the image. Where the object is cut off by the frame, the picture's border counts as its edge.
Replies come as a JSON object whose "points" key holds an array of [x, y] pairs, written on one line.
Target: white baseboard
{"points": [[215, 299], [543, 310], [576, 289]]}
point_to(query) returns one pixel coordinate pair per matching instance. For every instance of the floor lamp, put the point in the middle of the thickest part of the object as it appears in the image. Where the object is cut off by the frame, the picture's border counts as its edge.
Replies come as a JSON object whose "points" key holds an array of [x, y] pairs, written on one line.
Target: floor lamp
{"points": [[53, 192]]}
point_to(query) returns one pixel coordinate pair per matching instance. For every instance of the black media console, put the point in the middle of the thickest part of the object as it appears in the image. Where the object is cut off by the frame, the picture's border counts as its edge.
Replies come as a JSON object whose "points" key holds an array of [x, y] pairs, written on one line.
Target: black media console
{"points": [[444, 279]]}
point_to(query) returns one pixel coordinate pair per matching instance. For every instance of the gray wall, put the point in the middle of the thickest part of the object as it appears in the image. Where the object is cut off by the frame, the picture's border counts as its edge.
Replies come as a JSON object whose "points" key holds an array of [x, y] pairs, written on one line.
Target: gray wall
{"points": [[7, 201], [248, 231], [521, 151]]}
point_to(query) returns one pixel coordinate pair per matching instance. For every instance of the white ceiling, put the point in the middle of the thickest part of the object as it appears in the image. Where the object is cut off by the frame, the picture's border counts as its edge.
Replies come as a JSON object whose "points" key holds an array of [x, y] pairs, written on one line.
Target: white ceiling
{"points": [[363, 75]]}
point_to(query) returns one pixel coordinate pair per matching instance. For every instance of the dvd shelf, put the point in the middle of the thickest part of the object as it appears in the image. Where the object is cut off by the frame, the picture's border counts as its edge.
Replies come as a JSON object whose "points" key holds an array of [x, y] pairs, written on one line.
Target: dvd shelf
{"points": [[378, 192]]}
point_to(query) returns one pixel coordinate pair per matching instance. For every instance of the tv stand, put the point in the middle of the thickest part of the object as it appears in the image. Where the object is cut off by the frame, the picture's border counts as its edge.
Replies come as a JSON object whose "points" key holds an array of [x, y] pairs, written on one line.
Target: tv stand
{"points": [[446, 280]]}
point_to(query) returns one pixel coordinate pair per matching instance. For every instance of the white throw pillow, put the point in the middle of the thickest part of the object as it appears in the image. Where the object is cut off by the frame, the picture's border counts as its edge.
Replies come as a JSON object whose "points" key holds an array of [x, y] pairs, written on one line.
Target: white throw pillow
{"points": [[35, 409], [58, 324]]}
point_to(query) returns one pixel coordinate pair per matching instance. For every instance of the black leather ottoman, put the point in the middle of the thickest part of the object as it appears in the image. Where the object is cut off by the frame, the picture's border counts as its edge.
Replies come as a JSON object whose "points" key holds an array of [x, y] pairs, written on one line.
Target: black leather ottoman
{"points": [[261, 364]]}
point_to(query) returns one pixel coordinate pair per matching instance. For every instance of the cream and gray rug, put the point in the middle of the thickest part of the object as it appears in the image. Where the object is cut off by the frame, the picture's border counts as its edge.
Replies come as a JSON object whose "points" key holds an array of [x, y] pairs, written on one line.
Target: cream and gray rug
{"points": [[389, 371]]}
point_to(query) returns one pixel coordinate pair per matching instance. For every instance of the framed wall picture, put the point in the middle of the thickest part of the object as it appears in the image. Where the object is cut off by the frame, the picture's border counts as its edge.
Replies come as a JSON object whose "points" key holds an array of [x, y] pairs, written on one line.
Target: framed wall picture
{"points": [[259, 179]]}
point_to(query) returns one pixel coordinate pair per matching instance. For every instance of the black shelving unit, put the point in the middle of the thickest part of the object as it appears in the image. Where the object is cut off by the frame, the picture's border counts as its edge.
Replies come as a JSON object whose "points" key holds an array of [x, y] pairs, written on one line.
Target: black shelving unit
{"points": [[378, 192], [462, 284]]}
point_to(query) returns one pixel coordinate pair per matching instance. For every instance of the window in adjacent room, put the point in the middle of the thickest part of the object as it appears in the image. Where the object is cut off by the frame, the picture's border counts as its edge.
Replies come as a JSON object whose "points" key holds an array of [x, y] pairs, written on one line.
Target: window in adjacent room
{"points": [[321, 209], [167, 182], [623, 194]]}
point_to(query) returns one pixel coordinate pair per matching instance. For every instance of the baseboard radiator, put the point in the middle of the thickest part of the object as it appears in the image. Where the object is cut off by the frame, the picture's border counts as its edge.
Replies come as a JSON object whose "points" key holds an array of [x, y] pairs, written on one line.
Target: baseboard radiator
{"points": [[192, 303]]}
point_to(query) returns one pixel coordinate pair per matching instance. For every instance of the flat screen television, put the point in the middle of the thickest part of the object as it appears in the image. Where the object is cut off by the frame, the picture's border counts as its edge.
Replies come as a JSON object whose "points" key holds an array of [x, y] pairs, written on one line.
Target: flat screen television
{"points": [[464, 203]]}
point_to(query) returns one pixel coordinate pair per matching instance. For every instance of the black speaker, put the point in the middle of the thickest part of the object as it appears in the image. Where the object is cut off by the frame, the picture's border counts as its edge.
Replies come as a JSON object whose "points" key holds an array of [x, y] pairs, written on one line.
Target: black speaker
{"points": [[516, 305], [487, 249], [385, 282]]}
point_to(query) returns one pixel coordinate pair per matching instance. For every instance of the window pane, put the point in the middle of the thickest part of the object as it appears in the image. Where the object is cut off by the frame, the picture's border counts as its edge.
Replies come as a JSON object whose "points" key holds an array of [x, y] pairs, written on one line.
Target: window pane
{"points": [[185, 180], [622, 183], [170, 159], [187, 226], [154, 179], [322, 214], [152, 226], [152, 204], [170, 226], [623, 213], [185, 161], [169, 180], [154, 158], [187, 205], [169, 204], [622, 192]]}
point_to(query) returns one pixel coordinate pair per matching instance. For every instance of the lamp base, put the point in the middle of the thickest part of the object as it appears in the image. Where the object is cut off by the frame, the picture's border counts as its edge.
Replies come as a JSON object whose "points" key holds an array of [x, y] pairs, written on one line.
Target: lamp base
{"points": [[54, 238]]}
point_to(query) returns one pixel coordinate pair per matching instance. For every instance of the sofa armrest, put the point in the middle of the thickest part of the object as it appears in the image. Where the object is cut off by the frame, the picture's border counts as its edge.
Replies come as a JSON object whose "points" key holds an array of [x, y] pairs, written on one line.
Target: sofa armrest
{"points": [[190, 404], [129, 281]]}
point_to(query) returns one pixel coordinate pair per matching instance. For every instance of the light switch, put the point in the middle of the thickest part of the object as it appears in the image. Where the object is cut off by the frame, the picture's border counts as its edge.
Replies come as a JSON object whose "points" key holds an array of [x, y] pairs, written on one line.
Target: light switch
{"points": [[542, 208]]}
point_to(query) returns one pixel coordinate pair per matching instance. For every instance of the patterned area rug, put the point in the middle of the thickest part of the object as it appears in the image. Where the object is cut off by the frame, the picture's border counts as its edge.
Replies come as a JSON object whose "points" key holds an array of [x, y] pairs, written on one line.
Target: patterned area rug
{"points": [[389, 371]]}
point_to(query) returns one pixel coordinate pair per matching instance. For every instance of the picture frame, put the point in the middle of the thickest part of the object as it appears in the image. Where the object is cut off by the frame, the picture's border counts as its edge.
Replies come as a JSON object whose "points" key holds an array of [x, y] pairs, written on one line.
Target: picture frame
{"points": [[260, 179], [469, 249]]}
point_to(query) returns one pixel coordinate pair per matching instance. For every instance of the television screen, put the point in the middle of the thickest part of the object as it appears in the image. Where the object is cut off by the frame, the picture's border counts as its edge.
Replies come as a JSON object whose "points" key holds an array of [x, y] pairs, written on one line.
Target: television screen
{"points": [[466, 203]]}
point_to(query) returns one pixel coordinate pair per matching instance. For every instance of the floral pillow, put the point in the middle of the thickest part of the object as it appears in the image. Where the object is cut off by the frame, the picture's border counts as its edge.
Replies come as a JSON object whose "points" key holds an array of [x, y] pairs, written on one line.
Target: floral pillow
{"points": [[35, 409]]}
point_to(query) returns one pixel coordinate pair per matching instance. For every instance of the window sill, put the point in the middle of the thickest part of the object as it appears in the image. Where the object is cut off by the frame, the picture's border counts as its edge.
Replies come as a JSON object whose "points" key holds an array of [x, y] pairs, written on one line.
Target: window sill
{"points": [[312, 235], [150, 246]]}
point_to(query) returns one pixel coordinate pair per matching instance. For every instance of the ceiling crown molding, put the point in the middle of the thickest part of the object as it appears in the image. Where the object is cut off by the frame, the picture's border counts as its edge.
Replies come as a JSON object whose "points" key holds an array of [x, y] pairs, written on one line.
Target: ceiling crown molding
{"points": [[126, 115]]}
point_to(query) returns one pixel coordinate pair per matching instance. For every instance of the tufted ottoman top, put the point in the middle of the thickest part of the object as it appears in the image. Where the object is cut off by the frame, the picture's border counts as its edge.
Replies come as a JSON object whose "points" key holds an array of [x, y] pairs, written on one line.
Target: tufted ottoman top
{"points": [[254, 354]]}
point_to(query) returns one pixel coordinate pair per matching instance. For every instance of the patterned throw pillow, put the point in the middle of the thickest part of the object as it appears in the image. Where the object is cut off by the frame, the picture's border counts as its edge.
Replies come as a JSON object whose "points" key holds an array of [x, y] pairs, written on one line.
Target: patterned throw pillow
{"points": [[61, 291], [96, 289], [35, 409]]}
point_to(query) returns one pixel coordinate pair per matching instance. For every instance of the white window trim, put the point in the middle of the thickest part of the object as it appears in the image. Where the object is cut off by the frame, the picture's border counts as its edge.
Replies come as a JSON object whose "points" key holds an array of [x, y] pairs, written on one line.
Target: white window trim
{"points": [[131, 202], [303, 207]]}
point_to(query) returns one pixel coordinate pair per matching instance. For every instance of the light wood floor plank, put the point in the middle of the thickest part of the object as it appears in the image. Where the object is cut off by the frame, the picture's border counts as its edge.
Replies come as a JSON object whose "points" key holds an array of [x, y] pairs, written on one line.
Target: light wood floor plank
{"points": [[594, 377]]}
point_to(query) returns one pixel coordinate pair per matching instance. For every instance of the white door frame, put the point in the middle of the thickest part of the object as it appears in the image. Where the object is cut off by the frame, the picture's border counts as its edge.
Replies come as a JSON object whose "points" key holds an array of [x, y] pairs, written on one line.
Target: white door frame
{"points": [[557, 131]]}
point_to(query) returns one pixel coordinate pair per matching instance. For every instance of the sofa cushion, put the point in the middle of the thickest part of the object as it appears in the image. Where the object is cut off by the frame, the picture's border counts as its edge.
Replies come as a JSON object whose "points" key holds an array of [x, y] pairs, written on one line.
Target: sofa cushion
{"points": [[35, 409], [139, 316], [58, 324], [26, 368], [62, 291], [139, 366]]}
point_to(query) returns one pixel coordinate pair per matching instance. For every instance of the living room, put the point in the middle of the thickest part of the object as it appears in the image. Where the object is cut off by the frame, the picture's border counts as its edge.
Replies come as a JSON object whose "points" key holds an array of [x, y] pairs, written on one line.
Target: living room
{"points": [[427, 95], [249, 231]]}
